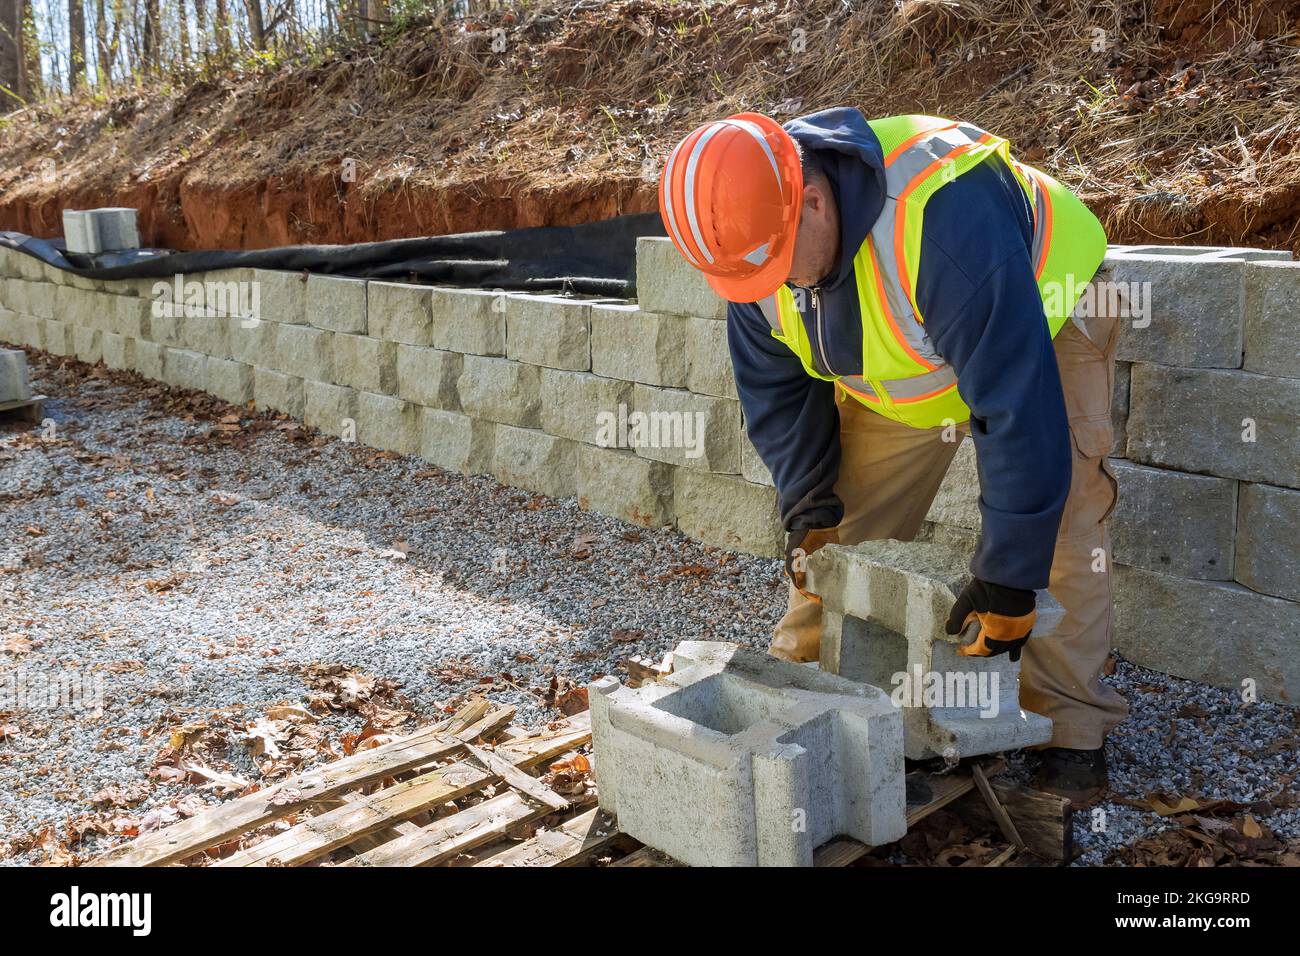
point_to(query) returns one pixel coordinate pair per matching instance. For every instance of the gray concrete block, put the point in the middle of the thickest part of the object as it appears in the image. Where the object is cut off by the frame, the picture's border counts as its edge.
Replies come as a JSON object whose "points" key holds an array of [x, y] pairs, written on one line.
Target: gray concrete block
{"points": [[665, 282], [281, 296], [1173, 522], [40, 300], [957, 503], [457, 442], [772, 759], [56, 337], [1212, 631], [388, 423], [117, 350], [148, 358], [428, 376], [92, 231], [337, 304], [500, 390], [549, 330], [625, 486], [229, 380], [89, 310], [331, 409], [278, 392], [15, 384], [1272, 324], [167, 326], [131, 316], [397, 312], [13, 294], [727, 512], [1196, 311], [365, 363], [681, 428], [751, 465], [1268, 540], [250, 343], [471, 321], [1119, 406], [1225, 423], [708, 361], [183, 368], [305, 352], [529, 458], [27, 330], [86, 344], [637, 346], [574, 404], [209, 334], [960, 539]]}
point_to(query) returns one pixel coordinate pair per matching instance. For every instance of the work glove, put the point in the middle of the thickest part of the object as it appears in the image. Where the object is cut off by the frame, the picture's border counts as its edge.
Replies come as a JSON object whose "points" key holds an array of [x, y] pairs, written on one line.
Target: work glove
{"points": [[799, 545], [1005, 615]]}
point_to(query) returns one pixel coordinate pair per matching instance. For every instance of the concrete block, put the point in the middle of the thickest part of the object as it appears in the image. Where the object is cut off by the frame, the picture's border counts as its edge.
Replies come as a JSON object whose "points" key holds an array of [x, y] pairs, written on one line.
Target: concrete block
{"points": [[15, 385], [229, 380], [56, 337], [148, 358], [960, 539], [682, 428], [727, 512], [457, 442], [957, 503], [388, 423], [117, 350], [1119, 405], [1229, 424], [471, 321], [740, 759], [1268, 540], [40, 299], [87, 345], [1194, 312], [183, 368], [331, 409], [337, 304], [305, 352], [24, 329], [529, 458], [1173, 522], [708, 361], [365, 363], [92, 231], [665, 282], [278, 392], [13, 294], [1272, 325], [209, 334], [167, 325], [549, 330], [282, 296], [398, 312], [636, 346], [500, 390], [884, 605], [625, 486], [428, 376], [252, 343], [1212, 631], [751, 465], [575, 404], [131, 316], [89, 310]]}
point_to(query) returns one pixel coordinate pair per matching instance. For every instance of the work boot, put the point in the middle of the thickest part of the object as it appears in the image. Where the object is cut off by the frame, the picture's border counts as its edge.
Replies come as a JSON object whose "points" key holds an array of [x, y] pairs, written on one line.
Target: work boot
{"points": [[1077, 775]]}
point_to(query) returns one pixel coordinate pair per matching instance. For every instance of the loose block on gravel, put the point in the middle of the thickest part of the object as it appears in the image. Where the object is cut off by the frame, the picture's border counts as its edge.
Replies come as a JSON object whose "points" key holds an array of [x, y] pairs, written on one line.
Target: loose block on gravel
{"points": [[740, 759], [884, 608]]}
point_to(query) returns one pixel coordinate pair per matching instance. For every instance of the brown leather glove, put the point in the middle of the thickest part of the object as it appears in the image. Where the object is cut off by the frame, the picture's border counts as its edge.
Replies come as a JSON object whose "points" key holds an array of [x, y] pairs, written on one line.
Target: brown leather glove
{"points": [[799, 545], [1006, 616]]}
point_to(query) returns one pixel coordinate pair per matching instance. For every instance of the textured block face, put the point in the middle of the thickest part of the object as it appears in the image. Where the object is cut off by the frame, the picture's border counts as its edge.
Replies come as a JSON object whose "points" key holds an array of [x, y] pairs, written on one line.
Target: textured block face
{"points": [[116, 350], [149, 359], [337, 304], [388, 423], [278, 391], [131, 316], [751, 465], [1195, 316], [39, 299], [1119, 409], [1230, 424], [282, 296], [250, 343], [549, 331], [230, 381], [86, 344], [957, 503], [399, 313], [665, 282], [773, 759], [500, 390], [884, 608], [1268, 541], [575, 404], [305, 352], [1254, 638], [619, 483], [682, 428], [184, 368], [428, 376], [331, 409], [1174, 522], [56, 337], [15, 385], [630, 344], [469, 320], [535, 461], [708, 361], [1272, 325], [456, 442], [209, 334], [365, 363], [727, 512], [19, 329], [91, 310]]}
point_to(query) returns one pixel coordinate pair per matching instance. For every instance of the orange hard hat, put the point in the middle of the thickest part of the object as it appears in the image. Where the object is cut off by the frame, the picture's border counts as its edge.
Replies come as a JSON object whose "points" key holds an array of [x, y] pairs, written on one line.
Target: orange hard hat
{"points": [[730, 196]]}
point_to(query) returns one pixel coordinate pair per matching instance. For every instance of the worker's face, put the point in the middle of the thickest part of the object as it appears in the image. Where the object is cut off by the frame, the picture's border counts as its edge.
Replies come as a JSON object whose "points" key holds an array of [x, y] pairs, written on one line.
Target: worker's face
{"points": [[817, 243]]}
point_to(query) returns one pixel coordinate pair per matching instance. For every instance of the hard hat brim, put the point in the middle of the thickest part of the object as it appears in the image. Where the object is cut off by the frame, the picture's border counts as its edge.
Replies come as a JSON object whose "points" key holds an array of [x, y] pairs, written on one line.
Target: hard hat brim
{"points": [[759, 285]]}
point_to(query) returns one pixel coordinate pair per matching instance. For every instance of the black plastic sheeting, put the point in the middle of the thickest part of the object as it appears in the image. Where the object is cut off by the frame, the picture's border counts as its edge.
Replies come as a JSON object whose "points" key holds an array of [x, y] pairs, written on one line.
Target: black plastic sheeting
{"points": [[595, 258]]}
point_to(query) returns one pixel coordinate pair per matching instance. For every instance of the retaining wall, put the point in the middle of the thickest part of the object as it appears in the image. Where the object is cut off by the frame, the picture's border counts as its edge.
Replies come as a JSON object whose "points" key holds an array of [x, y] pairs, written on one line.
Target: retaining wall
{"points": [[534, 389]]}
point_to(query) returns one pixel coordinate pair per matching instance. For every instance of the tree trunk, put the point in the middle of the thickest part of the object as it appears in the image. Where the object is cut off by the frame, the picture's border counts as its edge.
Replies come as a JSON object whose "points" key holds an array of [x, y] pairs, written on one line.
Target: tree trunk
{"points": [[11, 54], [222, 25], [255, 23], [103, 52], [76, 45], [200, 29], [29, 74], [183, 34], [151, 42]]}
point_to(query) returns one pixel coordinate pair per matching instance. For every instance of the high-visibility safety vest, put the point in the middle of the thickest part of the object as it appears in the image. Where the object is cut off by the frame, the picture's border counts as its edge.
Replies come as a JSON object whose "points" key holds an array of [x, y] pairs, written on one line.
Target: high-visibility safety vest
{"points": [[903, 377]]}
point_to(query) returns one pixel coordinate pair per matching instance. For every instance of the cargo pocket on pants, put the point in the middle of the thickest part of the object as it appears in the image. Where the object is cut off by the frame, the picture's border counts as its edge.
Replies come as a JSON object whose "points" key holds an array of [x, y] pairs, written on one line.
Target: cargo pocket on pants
{"points": [[1094, 489]]}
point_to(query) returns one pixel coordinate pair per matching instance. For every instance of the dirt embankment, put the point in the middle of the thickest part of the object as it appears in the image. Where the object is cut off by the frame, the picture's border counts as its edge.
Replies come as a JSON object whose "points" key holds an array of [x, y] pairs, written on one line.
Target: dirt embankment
{"points": [[1177, 120]]}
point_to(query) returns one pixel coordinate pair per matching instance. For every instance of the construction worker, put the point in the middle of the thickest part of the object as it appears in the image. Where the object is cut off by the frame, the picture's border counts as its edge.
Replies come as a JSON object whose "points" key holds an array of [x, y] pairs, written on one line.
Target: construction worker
{"points": [[893, 286]]}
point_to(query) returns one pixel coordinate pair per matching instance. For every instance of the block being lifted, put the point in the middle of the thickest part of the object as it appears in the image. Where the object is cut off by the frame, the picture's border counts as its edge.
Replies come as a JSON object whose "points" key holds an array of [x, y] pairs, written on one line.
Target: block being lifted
{"points": [[91, 231], [740, 759], [884, 607]]}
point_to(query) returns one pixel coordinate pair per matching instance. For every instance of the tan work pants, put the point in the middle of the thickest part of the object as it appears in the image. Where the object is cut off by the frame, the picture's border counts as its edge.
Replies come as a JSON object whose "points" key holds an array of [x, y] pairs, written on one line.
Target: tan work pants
{"points": [[889, 475]]}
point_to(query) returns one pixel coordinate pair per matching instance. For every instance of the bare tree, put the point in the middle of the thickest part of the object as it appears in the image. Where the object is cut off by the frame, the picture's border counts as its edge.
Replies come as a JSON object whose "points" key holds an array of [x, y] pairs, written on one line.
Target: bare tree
{"points": [[256, 28], [76, 45], [222, 26], [151, 39], [11, 54]]}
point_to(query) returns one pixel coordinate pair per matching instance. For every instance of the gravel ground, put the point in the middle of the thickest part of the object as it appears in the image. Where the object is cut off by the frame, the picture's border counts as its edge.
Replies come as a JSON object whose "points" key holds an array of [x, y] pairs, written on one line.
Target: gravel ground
{"points": [[195, 566]]}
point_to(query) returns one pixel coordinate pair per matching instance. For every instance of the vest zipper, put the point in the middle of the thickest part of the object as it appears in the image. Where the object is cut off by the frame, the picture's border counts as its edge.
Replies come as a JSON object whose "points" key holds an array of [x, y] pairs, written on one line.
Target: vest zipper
{"points": [[819, 328]]}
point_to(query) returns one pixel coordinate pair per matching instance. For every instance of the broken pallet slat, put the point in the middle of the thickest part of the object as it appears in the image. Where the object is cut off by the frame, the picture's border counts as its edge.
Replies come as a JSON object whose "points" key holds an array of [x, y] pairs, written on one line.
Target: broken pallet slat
{"points": [[454, 834], [995, 807], [518, 779], [1044, 821], [219, 824], [567, 845]]}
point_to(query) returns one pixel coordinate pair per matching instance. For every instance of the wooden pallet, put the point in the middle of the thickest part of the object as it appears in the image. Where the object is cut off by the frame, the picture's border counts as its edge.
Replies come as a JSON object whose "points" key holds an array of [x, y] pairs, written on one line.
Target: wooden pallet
{"points": [[29, 409]]}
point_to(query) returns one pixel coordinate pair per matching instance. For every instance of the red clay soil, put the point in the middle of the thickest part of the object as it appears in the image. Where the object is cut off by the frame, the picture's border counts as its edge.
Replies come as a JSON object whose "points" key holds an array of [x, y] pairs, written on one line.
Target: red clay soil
{"points": [[1177, 120]]}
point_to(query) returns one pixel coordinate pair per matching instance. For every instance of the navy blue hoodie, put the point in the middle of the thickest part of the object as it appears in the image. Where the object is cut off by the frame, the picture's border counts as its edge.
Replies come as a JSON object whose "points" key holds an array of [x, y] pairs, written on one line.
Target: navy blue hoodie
{"points": [[983, 314]]}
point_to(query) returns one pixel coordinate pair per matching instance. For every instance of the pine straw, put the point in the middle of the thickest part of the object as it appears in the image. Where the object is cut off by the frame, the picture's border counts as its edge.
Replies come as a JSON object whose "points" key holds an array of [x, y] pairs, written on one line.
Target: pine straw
{"points": [[1173, 131]]}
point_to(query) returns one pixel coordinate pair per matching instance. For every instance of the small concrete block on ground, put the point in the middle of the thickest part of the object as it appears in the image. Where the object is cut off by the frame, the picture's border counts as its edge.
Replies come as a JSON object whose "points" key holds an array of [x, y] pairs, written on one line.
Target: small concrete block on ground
{"points": [[740, 759], [15, 385]]}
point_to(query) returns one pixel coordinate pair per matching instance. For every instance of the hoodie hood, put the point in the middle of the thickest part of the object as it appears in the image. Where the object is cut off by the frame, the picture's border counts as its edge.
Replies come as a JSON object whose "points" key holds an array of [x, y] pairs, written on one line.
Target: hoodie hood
{"points": [[843, 146]]}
